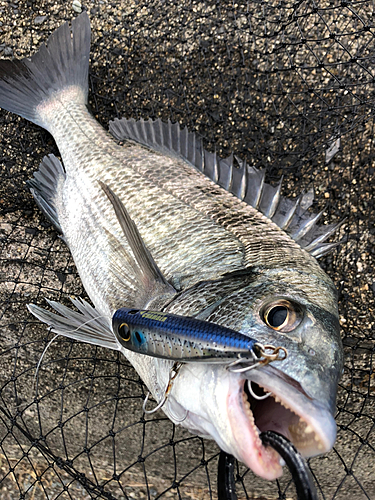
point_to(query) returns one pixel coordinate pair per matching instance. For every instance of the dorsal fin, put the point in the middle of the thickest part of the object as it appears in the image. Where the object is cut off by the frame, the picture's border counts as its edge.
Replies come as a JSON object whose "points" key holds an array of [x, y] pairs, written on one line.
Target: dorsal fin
{"points": [[245, 182]]}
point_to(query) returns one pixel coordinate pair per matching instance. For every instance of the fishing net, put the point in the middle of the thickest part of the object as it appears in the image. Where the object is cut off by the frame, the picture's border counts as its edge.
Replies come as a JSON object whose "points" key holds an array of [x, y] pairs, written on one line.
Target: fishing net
{"points": [[288, 86]]}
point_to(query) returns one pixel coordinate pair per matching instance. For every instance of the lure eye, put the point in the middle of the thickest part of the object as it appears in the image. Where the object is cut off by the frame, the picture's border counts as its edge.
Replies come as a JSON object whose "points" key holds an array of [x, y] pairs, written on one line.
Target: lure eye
{"points": [[282, 316], [124, 332]]}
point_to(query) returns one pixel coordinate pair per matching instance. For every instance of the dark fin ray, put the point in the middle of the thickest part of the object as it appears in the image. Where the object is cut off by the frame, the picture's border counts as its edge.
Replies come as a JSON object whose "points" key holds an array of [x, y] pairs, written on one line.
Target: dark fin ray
{"points": [[255, 184], [44, 186], [226, 172], [239, 181], [306, 226], [211, 168], [86, 325], [152, 277], [284, 222], [324, 236], [325, 249], [62, 63], [245, 182], [271, 199]]}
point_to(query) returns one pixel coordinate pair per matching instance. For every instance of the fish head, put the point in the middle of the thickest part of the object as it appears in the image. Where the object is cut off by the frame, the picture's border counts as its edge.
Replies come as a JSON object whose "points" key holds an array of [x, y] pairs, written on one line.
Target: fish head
{"points": [[291, 308]]}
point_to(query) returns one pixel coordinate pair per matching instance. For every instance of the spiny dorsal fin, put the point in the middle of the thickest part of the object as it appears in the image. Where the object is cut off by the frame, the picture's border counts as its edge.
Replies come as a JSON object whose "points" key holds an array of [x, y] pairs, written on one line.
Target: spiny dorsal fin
{"points": [[245, 182], [151, 277]]}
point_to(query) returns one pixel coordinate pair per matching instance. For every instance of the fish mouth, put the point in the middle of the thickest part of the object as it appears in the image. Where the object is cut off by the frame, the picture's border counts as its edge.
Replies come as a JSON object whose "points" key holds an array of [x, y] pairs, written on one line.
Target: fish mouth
{"points": [[287, 410]]}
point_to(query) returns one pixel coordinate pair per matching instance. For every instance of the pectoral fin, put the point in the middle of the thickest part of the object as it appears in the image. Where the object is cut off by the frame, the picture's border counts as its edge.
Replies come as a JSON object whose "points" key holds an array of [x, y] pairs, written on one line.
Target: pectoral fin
{"points": [[150, 278]]}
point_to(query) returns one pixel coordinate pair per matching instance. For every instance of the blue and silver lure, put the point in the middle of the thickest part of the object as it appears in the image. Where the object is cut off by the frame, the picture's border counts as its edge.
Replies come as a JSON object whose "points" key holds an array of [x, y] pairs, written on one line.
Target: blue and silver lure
{"points": [[186, 339]]}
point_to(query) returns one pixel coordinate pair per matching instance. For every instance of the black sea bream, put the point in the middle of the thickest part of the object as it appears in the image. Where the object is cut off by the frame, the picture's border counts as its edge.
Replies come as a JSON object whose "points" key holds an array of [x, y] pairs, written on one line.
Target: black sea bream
{"points": [[218, 244]]}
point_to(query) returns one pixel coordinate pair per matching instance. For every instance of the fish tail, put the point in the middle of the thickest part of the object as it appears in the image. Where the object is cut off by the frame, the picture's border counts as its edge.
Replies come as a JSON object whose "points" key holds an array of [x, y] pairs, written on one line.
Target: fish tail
{"points": [[27, 86]]}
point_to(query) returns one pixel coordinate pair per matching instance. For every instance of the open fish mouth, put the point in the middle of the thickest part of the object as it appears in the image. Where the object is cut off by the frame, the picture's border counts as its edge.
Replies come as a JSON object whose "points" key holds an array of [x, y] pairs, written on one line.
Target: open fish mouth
{"points": [[287, 410]]}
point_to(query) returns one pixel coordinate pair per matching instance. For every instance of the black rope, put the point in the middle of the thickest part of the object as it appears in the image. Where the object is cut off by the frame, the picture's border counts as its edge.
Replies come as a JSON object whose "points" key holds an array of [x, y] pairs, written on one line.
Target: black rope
{"points": [[304, 483], [296, 464], [226, 484]]}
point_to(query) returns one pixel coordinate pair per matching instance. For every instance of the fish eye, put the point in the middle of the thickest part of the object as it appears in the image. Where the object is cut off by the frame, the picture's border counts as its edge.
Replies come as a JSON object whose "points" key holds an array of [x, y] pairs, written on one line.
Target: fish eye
{"points": [[282, 316], [124, 331]]}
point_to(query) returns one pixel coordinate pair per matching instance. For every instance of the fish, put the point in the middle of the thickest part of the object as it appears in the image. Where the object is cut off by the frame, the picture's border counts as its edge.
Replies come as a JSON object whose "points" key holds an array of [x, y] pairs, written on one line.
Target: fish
{"points": [[205, 237]]}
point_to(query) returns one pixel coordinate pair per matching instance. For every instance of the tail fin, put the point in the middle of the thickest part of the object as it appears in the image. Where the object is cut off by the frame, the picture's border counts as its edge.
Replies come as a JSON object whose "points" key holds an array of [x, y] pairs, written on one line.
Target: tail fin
{"points": [[62, 63]]}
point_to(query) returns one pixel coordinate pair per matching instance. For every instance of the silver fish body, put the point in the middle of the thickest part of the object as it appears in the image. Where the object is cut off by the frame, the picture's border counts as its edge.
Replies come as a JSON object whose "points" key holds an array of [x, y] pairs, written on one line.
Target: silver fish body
{"points": [[214, 257]]}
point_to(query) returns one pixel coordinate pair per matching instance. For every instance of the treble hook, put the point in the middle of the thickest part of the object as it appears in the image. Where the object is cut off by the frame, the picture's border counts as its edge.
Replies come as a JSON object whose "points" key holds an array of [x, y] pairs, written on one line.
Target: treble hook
{"points": [[148, 412], [255, 396], [263, 360], [172, 375]]}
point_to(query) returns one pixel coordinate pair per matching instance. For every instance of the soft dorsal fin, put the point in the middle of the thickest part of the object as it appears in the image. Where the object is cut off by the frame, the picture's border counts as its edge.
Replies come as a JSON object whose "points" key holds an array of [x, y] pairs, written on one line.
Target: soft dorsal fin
{"points": [[243, 181], [153, 282]]}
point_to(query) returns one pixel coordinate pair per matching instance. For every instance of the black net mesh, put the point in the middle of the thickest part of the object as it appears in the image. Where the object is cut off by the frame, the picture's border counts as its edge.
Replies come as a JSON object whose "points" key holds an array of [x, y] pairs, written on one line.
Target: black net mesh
{"points": [[287, 85]]}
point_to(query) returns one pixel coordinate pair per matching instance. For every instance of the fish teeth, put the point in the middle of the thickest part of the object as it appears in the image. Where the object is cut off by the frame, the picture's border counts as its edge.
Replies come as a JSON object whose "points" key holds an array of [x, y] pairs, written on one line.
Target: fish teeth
{"points": [[281, 402], [309, 429], [303, 433], [249, 413], [246, 405]]}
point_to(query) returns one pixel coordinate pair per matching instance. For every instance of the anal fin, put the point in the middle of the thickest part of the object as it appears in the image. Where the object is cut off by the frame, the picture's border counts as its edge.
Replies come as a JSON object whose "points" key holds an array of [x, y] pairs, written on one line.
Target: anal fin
{"points": [[44, 187]]}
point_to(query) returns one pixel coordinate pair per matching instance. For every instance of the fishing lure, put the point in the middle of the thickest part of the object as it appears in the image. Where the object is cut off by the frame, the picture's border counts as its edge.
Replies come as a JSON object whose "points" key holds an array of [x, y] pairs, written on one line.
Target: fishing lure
{"points": [[187, 339]]}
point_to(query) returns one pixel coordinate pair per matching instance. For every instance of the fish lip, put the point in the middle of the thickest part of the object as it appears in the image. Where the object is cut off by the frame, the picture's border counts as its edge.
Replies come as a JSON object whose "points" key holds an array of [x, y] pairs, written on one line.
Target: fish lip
{"points": [[265, 462], [293, 396], [249, 449]]}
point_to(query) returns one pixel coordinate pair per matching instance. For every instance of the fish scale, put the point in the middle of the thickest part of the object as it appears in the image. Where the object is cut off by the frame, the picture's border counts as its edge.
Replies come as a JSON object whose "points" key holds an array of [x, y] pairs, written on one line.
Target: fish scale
{"points": [[79, 131], [231, 234], [213, 223]]}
